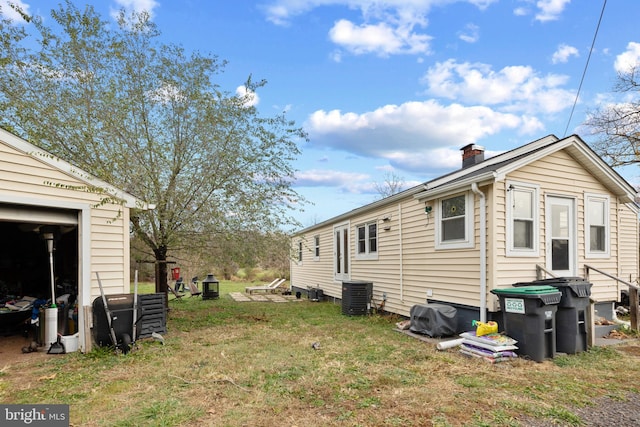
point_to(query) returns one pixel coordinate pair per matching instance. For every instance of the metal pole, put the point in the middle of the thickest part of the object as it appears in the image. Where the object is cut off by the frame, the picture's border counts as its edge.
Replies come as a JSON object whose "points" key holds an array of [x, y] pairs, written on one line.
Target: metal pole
{"points": [[49, 239]]}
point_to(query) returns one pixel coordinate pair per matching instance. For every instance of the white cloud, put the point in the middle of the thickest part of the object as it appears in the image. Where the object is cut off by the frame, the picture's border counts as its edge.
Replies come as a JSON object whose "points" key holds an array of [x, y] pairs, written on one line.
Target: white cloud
{"points": [[410, 134], [326, 177], [628, 59], [385, 27], [563, 53], [135, 6], [166, 94], [550, 10], [521, 11], [385, 168], [513, 88], [471, 33], [9, 13], [380, 38], [249, 98]]}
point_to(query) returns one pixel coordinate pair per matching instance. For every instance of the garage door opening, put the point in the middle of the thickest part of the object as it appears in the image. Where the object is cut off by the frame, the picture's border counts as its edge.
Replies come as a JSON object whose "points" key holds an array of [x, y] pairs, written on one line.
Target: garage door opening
{"points": [[25, 277]]}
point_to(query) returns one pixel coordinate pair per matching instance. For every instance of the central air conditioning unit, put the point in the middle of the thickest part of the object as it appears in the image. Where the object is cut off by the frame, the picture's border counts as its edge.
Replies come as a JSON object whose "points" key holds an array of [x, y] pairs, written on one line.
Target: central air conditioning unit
{"points": [[356, 297]]}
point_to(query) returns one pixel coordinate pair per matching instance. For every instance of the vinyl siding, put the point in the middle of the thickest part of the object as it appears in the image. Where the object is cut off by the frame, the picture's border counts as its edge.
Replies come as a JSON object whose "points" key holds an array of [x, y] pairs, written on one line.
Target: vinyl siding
{"points": [[628, 244], [24, 177], [313, 272], [560, 175], [408, 264], [403, 271]]}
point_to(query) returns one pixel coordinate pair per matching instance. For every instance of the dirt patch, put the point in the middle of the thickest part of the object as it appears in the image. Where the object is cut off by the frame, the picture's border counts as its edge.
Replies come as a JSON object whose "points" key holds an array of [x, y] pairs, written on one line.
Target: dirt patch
{"points": [[631, 350], [11, 351]]}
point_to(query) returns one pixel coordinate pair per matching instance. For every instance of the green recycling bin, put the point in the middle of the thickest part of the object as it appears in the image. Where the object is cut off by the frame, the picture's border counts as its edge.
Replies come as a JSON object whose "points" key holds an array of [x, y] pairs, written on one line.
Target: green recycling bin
{"points": [[571, 329], [529, 316]]}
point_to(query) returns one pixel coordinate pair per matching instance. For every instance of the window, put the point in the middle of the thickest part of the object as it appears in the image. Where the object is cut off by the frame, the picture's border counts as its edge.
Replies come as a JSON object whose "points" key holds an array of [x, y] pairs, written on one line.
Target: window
{"points": [[455, 219], [597, 225], [367, 244], [299, 251], [522, 219], [316, 252]]}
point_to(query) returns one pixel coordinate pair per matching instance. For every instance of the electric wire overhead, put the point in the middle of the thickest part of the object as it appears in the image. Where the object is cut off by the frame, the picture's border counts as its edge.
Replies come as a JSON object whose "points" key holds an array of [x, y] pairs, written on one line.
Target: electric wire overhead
{"points": [[586, 66]]}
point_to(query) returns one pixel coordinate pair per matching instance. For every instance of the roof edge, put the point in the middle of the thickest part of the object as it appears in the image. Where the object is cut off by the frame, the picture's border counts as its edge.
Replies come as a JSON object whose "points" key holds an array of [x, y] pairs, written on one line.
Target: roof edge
{"points": [[67, 168]]}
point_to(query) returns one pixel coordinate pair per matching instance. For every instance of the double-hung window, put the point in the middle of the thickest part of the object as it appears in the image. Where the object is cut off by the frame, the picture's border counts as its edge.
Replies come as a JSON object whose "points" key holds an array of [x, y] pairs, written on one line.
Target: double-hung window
{"points": [[597, 225], [522, 219], [300, 252], [316, 250], [455, 222], [367, 244]]}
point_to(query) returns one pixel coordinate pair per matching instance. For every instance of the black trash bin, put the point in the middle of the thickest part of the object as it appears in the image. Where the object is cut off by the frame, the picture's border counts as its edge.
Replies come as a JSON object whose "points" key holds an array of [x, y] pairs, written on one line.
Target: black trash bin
{"points": [[571, 327], [529, 316]]}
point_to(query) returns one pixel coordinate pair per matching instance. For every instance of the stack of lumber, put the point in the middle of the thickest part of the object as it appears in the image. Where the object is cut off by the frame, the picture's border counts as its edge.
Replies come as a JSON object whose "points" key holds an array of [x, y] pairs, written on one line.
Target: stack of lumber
{"points": [[492, 347]]}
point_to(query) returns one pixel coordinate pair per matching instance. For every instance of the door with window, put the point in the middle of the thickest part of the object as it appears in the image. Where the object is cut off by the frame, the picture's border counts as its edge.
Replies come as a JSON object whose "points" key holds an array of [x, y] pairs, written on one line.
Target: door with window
{"points": [[561, 236], [341, 252]]}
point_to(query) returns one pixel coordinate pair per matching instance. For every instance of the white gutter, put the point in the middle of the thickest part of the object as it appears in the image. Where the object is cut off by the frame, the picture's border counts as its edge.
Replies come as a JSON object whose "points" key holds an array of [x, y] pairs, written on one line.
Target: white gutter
{"points": [[483, 252], [436, 191]]}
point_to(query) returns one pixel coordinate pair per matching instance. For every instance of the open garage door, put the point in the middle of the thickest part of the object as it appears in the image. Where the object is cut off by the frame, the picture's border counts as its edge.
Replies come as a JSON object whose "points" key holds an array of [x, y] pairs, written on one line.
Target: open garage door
{"points": [[25, 278]]}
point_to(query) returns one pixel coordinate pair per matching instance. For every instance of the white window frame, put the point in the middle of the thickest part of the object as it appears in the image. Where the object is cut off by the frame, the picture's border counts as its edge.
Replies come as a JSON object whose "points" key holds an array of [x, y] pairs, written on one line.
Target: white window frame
{"points": [[599, 198], [342, 252], [469, 233], [316, 248], [534, 189], [299, 250], [367, 254]]}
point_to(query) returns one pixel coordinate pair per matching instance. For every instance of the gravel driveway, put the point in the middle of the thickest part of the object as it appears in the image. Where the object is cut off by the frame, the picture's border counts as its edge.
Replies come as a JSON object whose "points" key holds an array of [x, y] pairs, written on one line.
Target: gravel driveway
{"points": [[605, 412]]}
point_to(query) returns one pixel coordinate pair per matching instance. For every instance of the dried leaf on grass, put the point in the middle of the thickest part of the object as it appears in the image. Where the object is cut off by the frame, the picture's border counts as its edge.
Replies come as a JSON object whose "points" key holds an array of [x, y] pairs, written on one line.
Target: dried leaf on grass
{"points": [[47, 377], [618, 335]]}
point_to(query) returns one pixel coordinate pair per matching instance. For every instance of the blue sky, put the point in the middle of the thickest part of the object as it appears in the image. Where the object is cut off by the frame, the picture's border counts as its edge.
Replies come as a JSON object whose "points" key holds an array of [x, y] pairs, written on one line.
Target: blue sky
{"points": [[399, 86]]}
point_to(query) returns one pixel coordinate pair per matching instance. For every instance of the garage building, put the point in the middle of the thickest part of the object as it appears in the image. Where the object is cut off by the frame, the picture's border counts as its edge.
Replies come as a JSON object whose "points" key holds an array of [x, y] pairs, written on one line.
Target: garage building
{"points": [[44, 195]]}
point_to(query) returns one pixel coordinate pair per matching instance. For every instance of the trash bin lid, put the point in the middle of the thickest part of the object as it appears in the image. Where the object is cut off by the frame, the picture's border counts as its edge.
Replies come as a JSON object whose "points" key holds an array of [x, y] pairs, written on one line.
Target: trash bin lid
{"points": [[526, 290], [547, 294], [577, 285]]}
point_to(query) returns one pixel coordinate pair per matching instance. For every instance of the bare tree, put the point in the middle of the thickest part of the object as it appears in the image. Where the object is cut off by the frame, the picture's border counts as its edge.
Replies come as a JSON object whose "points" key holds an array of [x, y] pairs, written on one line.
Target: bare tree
{"points": [[617, 125], [391, 185]]}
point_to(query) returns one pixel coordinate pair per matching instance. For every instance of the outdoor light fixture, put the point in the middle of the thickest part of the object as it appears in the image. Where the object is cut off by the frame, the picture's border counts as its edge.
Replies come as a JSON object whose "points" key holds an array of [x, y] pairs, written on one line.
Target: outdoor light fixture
{"points": [[48, 238], [51, 312], [210, 287]]}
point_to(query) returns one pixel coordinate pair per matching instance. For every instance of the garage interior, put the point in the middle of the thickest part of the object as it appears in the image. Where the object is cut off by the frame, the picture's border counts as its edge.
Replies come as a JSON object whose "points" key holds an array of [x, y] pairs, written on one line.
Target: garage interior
{"points": [[25, 271]]}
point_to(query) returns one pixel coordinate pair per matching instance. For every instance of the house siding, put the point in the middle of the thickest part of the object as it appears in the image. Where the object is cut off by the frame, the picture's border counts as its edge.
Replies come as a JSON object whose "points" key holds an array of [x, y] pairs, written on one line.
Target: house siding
{"points": [[24, 177], [409, 270], [561, 175], [407, 264]]}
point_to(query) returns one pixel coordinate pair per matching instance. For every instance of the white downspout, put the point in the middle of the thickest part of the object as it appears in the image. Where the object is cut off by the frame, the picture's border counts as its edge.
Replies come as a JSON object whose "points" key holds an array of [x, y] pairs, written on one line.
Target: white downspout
{"points": [[401, 252], [483, 252]]}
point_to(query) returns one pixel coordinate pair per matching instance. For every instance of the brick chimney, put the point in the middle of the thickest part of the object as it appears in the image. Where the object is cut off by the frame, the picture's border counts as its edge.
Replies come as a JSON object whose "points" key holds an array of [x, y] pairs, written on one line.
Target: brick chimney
{"points": [[472, 154]]}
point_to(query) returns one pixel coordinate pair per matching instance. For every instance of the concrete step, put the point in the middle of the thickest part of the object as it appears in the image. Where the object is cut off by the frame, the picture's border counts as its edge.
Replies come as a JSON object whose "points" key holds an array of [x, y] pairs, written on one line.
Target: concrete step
{"points": [[604, 330]]}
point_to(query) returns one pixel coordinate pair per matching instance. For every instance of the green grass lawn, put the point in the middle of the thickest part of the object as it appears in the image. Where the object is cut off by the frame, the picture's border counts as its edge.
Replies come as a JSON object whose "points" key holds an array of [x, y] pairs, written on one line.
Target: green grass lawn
{"points": [[228, 363]]}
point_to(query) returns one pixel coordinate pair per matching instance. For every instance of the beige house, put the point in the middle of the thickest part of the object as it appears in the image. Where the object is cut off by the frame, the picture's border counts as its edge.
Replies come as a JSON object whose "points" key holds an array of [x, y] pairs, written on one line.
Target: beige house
{"points": [[550, 208], [39, 192]]}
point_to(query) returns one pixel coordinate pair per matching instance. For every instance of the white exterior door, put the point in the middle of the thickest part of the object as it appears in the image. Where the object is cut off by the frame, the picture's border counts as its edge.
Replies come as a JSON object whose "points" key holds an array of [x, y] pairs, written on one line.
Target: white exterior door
{"points": [[561, 241], [341, 252]]}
